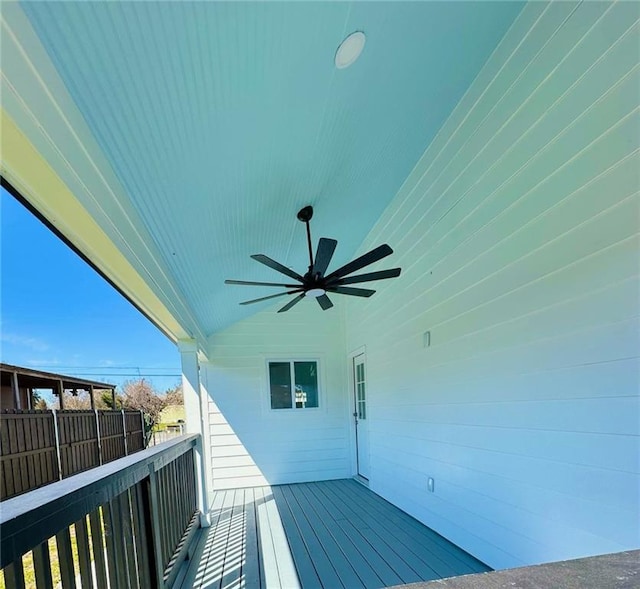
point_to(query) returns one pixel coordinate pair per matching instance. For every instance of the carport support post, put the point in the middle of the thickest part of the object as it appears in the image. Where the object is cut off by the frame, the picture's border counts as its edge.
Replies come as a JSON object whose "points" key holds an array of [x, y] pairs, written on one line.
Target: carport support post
{"points": [[192, 392], [16, 391], [60, 395]]}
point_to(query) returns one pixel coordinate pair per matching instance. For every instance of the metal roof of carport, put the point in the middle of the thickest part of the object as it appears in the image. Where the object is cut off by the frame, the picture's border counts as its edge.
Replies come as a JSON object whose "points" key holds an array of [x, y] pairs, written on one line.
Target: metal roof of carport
{"points": [[39, 379]]}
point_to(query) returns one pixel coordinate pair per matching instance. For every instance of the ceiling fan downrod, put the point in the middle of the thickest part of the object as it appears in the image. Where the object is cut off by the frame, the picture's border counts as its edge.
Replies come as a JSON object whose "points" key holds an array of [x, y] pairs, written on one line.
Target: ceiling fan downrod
{"points": [[305, 216]]}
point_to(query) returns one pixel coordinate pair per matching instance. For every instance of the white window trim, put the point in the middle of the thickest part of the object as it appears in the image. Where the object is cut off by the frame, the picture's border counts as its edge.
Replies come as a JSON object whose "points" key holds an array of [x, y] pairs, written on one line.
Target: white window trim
{"points": [[291, 360]]}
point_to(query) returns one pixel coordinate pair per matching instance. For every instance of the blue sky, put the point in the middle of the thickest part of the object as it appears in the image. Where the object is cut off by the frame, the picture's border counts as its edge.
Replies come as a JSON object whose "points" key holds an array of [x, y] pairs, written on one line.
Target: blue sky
{"points": [[58, 314]]}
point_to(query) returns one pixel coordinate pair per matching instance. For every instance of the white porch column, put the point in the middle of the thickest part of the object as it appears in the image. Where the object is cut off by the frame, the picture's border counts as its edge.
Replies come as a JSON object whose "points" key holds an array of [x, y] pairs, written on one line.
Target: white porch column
{"points": [[195, 422]]}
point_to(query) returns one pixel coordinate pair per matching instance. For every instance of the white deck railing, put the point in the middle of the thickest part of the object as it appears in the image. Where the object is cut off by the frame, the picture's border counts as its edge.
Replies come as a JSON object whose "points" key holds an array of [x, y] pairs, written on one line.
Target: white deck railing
{"points": [[126, 524]]}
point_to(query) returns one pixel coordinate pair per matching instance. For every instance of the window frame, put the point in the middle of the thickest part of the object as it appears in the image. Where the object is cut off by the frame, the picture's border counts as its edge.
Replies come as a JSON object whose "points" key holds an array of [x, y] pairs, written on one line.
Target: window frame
{"points": [[292, 361]]}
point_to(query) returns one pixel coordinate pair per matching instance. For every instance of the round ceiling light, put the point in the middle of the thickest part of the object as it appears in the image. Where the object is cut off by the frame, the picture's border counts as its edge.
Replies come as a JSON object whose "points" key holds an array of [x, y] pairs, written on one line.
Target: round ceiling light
{"points": [[315, 292], [350, 49]]}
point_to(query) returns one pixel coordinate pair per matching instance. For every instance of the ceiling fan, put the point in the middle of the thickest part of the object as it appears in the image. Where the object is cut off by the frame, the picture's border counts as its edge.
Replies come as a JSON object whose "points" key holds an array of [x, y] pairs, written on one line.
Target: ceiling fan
{"points": [[315, 283]]}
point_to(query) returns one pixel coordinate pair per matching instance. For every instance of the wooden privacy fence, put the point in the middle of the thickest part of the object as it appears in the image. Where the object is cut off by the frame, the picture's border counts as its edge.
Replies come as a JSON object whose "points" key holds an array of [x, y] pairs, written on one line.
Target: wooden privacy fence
{"points": [[133, 521], [40, 447]]}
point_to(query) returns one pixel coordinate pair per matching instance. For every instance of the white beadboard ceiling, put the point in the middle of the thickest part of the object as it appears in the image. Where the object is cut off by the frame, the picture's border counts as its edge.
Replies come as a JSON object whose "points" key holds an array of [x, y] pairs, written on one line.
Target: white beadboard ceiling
{"points": [[218, 121]]}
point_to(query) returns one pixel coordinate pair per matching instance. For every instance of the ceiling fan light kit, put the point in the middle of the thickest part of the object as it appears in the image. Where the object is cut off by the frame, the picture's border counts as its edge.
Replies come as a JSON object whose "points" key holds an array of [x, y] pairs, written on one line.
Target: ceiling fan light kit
{"points": [[314, 283], [350, 49]]}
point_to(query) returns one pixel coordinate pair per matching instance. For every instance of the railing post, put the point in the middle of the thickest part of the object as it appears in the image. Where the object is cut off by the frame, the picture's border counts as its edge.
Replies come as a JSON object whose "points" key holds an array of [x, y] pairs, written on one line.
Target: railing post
{"points": [[124, 433], [201, 486], [56, 431], [195, 419]]}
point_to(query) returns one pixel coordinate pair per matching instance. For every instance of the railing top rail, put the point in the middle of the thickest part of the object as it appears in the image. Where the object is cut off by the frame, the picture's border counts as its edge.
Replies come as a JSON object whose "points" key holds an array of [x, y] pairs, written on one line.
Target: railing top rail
{"points": [[30, 519]]}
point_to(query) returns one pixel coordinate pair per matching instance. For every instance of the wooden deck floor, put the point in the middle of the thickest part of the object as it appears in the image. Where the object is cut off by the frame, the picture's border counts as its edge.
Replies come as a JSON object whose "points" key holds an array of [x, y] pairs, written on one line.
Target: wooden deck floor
{"points": [[330, 535]]}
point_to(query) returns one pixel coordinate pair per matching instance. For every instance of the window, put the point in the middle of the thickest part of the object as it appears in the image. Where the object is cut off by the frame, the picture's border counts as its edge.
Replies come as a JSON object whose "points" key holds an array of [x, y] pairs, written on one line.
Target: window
{"points": [[304, 392]]}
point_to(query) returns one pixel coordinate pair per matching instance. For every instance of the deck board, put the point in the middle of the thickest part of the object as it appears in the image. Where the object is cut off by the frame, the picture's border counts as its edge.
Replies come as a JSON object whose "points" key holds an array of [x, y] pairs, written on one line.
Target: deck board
{"points": [[457, 559], [399, 560], [317, 551], [299, 549], [327, 535], [415, 556], [251, 565], [365, 568], [375, 553], [403, 533], [335, 552]]}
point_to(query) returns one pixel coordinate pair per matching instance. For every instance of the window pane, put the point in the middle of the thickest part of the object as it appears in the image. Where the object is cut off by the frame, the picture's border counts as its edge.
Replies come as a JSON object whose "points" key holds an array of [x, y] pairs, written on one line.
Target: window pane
{"points": [[280, 382], [306, 375]]}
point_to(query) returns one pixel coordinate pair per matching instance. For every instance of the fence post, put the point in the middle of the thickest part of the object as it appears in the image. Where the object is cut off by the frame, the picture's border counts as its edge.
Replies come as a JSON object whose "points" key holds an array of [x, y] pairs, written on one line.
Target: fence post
{"points": [[57, 436], [124, 433], [143, 434], [99, 436]]}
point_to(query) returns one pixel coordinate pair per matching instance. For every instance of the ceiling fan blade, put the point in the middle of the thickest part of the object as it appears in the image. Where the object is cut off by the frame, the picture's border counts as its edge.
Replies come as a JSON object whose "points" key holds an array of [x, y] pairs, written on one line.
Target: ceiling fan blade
{"points": [[243, 282], [280, 294], [374, 255], [382, 275], [326, 247], [291, 303], [356, 292], [267, 261], [325, 302]]}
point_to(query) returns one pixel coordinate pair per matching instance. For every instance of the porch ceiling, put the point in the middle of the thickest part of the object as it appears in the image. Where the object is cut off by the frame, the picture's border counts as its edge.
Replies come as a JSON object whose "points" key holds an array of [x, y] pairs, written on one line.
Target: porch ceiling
{"points": [[192, 132]]}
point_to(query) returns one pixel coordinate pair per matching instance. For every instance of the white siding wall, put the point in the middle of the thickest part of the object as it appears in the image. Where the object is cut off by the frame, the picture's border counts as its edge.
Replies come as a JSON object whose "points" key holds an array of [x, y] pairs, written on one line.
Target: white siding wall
{"points": [[517, 234], [254, 445]]}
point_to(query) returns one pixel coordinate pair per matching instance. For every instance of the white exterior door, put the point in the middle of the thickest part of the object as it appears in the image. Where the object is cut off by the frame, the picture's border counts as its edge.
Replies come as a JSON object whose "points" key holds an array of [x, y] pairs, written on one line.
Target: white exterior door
{"points": [[360, 415]]}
